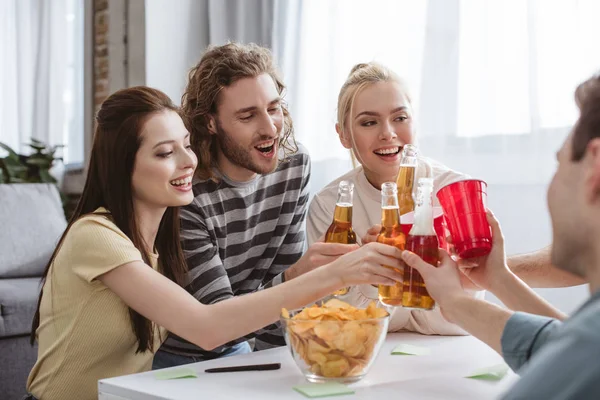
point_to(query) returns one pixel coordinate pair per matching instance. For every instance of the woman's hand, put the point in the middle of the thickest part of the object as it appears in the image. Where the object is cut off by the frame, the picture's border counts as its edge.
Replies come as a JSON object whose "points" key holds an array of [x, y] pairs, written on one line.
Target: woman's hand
{"points": [[373, 263], [318, 254], [371, 235]]}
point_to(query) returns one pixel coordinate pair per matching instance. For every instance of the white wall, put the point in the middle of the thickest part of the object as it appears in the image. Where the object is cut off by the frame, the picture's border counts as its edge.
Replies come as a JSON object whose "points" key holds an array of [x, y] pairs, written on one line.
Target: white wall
{"points": [[174, 42]]}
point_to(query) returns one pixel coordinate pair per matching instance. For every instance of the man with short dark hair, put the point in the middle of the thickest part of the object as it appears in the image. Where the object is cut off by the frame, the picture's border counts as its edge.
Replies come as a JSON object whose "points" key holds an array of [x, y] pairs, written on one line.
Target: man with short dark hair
{"points": [[556, 360]]}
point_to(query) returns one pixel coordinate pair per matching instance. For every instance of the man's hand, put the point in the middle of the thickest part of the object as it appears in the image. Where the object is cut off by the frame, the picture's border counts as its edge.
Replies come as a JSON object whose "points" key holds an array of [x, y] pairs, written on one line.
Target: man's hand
{"points": [[371, 235], [490, 269], [318, 254], [443, 282]]}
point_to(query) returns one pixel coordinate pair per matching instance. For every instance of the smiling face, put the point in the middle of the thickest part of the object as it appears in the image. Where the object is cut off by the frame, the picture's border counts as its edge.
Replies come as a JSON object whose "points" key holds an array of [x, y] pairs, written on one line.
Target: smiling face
{"points": [[248, 126], [164, 163], [378, 126]]}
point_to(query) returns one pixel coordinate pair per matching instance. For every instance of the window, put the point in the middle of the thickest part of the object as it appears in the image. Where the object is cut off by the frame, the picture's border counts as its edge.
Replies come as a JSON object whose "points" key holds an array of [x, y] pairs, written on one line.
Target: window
{"points": [[41, 74], [73, 132], [492, 81]]}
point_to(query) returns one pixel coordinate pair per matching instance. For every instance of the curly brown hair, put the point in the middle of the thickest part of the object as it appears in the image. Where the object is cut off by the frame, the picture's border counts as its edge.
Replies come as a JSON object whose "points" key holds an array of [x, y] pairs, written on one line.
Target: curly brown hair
{"points": [[219, 67]]}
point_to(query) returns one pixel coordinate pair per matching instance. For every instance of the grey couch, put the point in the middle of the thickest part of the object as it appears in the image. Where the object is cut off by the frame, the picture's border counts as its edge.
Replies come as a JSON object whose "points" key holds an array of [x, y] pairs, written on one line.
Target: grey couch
{"points": [[31, 222]]}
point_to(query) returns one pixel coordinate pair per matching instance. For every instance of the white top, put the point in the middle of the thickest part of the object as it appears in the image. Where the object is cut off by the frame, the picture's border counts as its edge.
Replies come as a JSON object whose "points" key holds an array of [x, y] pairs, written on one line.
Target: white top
{"points": [[440, 375], [366, 213]]}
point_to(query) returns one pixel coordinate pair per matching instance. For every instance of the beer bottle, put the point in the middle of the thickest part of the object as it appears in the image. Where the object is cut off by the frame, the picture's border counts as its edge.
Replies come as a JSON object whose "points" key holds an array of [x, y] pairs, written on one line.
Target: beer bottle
{"points": [[340, 230], [391, 233], [406, 178], [422, 241]]}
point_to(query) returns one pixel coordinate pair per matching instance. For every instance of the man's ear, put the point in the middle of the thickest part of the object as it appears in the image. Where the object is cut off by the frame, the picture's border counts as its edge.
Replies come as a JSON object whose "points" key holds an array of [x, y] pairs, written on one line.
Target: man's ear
{"points": [[346, 142], [592, 162], [212, 124]]}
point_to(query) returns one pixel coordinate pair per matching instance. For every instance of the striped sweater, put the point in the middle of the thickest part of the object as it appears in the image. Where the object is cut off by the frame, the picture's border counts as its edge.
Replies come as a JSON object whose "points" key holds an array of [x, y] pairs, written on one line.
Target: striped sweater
{"points": [[239, 238]]}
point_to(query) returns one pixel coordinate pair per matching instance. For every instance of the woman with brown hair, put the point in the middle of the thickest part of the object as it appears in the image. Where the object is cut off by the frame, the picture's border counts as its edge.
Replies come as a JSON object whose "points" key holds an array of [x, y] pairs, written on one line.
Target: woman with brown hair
{"points": [[112, 287]]}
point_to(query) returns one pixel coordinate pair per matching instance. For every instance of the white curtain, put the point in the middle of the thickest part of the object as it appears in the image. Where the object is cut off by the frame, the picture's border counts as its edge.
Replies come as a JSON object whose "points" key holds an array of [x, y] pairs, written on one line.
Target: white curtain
{"points": [[41, 71], [241, 21], [492, 81], [193, 25]]}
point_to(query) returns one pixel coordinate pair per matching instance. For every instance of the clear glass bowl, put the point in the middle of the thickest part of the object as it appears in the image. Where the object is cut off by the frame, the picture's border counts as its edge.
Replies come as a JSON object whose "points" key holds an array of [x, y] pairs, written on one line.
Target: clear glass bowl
{"points": [[341, 351]]}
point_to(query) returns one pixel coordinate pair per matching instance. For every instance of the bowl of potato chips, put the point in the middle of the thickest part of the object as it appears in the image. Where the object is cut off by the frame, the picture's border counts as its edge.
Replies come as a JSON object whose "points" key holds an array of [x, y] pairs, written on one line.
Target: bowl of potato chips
{"points": [[335, 341]]}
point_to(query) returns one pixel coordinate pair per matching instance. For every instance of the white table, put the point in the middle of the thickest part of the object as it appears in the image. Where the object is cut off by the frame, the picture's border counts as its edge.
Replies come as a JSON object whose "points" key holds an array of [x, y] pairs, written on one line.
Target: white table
{"points": [[436, 376]]}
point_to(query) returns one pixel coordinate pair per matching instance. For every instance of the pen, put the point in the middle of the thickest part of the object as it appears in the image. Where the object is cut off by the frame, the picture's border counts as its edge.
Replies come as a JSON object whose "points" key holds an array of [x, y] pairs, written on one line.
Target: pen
{"points": [[256, 367]]}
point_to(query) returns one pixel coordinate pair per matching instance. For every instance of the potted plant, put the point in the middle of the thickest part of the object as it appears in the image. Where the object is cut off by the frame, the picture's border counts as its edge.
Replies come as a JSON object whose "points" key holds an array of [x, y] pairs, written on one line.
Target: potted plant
{"points": [[32, 168]]}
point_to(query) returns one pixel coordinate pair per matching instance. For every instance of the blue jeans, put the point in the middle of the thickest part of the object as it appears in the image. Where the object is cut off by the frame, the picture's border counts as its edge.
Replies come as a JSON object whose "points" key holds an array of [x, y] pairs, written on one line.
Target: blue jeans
{"points": [[163, 359]]}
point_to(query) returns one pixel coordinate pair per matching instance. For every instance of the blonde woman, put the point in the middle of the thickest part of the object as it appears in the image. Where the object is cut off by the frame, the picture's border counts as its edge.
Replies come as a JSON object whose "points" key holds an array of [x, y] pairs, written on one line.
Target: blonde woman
{"points": [[375, 121]]}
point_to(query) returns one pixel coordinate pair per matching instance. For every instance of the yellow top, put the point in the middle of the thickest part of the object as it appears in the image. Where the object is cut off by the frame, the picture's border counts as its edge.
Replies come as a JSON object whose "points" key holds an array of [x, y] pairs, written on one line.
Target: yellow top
{"points": [[85, 332]]}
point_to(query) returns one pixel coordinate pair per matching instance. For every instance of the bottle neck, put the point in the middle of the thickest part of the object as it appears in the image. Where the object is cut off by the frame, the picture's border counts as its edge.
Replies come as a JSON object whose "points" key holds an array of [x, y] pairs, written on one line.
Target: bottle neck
{"points": [[408, 161], [344, 199], [389, 200], [343, 213], [405, 182], [390, 217], [423, 218]]}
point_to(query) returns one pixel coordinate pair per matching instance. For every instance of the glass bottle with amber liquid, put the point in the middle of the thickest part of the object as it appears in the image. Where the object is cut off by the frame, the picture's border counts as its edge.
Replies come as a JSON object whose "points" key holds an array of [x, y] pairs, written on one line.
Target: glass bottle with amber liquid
{"points": [[391, 233], [406, 178], [422, 241], [340, 230]]}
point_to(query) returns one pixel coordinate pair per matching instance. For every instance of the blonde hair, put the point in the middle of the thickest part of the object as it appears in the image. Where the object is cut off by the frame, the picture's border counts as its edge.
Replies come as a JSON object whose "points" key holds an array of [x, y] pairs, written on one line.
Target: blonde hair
{"points": [[219, 67], [361, 76]]}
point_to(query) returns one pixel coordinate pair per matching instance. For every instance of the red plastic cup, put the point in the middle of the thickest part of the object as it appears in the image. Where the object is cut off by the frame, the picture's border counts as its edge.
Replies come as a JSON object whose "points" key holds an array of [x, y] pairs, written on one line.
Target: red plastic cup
{"points": [[464, 205], [439, 224]]}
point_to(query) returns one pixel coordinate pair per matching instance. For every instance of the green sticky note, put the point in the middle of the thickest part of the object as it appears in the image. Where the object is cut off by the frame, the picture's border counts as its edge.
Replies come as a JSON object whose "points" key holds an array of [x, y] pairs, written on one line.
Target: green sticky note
{"points": [[323, 389], [178, 373], [411, 350], [493, 373]]}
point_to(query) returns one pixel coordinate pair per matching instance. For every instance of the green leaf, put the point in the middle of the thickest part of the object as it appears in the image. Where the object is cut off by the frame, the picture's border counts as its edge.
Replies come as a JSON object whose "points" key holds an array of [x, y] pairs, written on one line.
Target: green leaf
{"points": [[39, 161], [16, 169], [38, 147], [17, 180], [46, 177], [11, 161], [11, 153]]}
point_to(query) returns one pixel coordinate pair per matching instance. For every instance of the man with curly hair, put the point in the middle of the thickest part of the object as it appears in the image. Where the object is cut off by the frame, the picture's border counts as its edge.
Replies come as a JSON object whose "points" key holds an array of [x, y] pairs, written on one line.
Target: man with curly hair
{"points": [[244, 231]]}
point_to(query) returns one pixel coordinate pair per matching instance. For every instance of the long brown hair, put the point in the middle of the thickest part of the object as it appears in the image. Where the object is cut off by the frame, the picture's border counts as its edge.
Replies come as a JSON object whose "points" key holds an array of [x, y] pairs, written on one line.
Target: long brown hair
{"points": [[117, 139], [219, 67]]}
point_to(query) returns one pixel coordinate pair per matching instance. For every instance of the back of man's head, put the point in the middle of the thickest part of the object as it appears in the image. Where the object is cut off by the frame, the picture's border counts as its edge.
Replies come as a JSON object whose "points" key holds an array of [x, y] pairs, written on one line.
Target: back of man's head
{"points": [[220, 67], [587, 96]]}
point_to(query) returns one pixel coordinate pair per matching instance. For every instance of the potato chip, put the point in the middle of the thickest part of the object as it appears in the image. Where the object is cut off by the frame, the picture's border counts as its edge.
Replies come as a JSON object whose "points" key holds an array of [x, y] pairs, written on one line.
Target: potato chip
{"points": [[337, 304], [335, 369], [335, 339], [315, 312], [328, 330]]}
